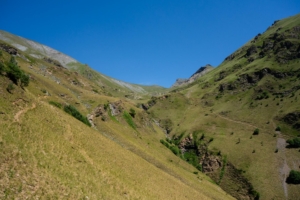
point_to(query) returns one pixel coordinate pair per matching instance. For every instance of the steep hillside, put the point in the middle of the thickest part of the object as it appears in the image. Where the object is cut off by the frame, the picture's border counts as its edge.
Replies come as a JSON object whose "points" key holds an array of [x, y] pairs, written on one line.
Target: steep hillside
{"points": [[63, 136], [235, 121], [30, 49]]}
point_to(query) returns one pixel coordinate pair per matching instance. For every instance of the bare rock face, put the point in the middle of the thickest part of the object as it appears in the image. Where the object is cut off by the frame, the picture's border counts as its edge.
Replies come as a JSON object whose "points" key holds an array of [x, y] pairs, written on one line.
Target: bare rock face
{"points": [[200, 72], [102, 111], [180, 81], [211, 163], [116, 108]]}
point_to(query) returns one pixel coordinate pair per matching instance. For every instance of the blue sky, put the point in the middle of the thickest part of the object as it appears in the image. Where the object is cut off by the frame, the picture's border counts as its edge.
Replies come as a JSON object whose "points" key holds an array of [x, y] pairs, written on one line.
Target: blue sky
{"points": [[144, 42]]}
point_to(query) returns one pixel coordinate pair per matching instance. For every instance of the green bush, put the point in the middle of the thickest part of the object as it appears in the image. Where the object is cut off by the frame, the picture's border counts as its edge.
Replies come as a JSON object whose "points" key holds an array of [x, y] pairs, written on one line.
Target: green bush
{"points": [[15, 74], [75, 113], [277, 128], [132, 112], [24, 80], [175, 150], [164, 143], [293, 143], [192, 158], [59, 105], [129, 120], [256, 131], [294, 177]]}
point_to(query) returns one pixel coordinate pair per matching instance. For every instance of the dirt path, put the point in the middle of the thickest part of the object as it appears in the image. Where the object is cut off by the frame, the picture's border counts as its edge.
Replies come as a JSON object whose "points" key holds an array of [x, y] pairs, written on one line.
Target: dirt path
{"points": [[26, 109], [239, 122], [284, 169], [23, 111]]}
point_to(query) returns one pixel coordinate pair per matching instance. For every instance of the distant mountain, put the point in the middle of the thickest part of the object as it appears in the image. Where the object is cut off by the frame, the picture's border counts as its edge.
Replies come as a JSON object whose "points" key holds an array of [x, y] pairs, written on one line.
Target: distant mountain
{"points": [[200, 72]]}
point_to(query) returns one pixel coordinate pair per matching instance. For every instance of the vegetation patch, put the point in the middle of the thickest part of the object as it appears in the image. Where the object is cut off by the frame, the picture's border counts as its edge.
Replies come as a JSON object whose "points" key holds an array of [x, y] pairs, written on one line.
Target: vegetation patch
{"points": [[293, 143], [129, 120], [294, 177], [75, 113], [56, 104], [223, 169], [256, 131]]}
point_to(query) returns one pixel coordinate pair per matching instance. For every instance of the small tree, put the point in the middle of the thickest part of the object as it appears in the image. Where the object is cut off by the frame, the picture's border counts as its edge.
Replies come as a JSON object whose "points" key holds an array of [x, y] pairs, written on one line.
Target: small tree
{"points": [[294, 177], [256, 131]]}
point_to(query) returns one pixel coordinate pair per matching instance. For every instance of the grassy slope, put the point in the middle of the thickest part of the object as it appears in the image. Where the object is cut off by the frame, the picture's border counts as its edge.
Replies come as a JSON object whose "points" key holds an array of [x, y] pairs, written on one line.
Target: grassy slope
{"points": [[195, 107], [47, 153]]}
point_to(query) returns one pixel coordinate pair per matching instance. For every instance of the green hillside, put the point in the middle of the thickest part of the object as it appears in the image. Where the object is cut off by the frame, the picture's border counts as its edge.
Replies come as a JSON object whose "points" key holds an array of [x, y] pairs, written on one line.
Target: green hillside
{"points": [[64, 136], [69, 132], [256, 87]]}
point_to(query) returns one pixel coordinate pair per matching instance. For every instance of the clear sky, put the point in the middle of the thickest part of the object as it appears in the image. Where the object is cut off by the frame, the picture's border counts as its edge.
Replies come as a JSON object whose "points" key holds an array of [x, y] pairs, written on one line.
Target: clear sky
{"points": [[144, 41]]}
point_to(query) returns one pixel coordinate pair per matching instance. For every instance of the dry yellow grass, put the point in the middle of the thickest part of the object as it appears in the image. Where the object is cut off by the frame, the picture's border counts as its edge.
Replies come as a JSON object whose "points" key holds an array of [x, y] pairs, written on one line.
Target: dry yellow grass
{"points": [[48, 154]]}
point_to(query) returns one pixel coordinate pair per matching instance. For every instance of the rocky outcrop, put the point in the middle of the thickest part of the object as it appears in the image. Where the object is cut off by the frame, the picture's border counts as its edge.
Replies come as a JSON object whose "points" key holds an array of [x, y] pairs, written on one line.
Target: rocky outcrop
{"points": [[180, 81], [245, 81], [9, 49], [200, 72], [116, 108], [103, 111], [52, 61], [219, 169]]}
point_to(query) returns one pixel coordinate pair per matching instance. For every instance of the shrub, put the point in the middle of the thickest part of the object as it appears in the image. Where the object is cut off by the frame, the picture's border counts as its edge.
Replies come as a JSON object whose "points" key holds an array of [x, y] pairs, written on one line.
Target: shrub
{"points": [[175, 150], [210, 140], [14, 73], [129, 120], [202, 136], [132, 112], [293, 143], [24, 80], [164, 143], [106, 106], [55, 104], [75, 113], [277, 128], [191, 157], [294, 177], [256, 131]]}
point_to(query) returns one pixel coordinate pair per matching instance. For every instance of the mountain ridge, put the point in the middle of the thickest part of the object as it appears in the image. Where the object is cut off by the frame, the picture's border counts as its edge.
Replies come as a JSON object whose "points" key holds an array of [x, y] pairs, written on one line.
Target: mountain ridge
{"points": [[49, 54]]}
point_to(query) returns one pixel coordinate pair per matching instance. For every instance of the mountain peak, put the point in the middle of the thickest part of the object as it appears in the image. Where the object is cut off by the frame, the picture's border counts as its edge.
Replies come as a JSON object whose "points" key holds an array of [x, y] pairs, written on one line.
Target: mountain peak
{"points": [[200, 72]]}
